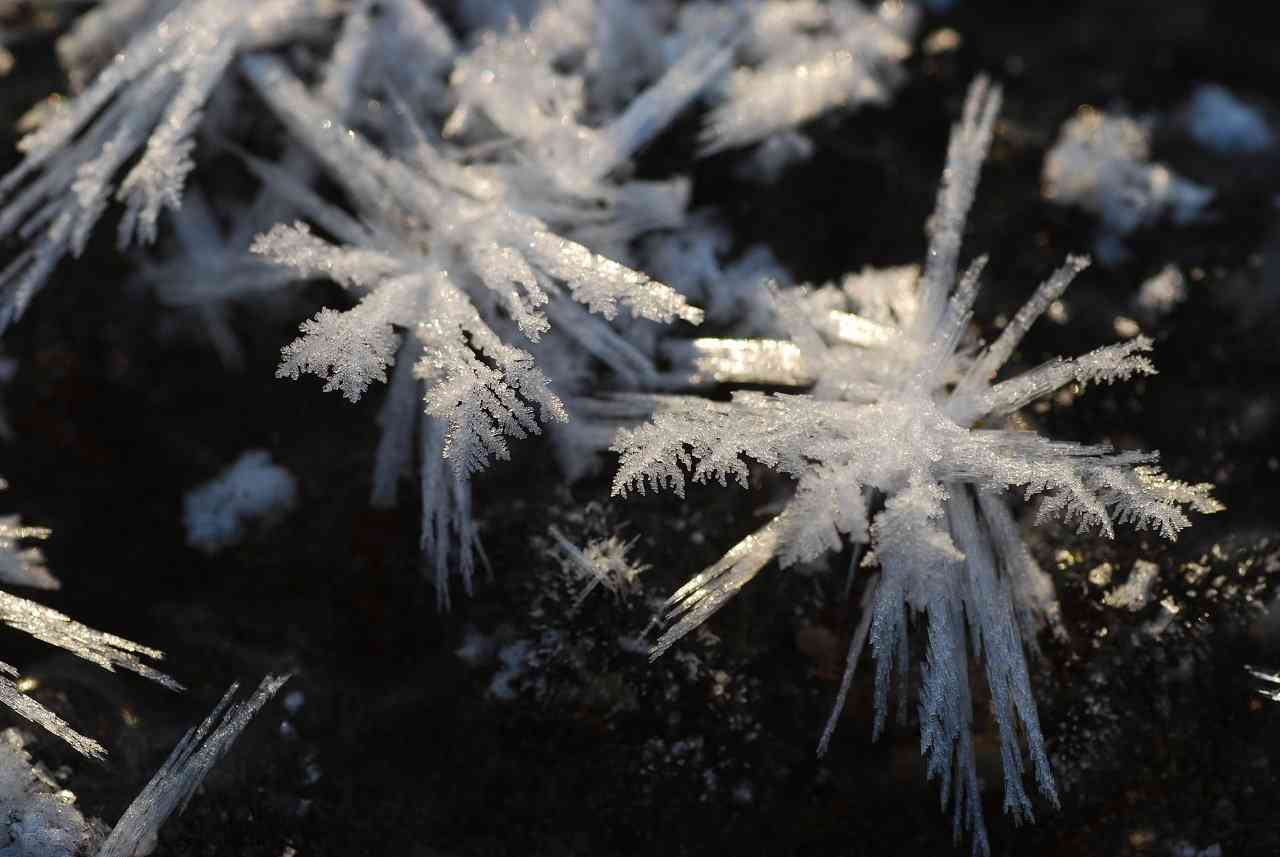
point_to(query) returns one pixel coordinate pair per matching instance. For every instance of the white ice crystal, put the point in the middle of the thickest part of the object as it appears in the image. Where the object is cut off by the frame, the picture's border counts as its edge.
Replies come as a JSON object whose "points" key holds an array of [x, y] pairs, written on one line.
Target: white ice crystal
{"points": [[253, 489], [24, 566], [173, 786], [38, 818], [106, 650], [514, 658], [450, 254], [400, 45], [798, 60], [603, 562], [147, 102], [548, 101], [903, 443], [1101, 163], [1268, 682]]}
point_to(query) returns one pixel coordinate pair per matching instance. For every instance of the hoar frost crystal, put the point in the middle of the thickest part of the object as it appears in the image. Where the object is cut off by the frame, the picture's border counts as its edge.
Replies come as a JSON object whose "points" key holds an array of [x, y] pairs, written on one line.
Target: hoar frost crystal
{"points": [[903, 444]]}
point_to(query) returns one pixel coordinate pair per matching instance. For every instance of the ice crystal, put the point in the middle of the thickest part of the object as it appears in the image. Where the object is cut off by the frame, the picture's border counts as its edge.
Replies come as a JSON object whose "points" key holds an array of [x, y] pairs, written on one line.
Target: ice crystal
{"points": [[25, 567], [1268, 682], [799, 60], [213, 264], [147, 102], [511, 199], [39, 819], [903, 443], [451, 255], [173, 786], [602, 562], [552, 96], [530, 223], [106, 650]]}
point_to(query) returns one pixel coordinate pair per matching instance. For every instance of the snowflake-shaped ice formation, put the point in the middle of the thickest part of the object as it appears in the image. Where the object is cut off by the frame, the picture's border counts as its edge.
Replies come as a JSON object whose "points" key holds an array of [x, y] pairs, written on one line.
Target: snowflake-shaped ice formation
{"points": [[443, 253], [902, 443]]}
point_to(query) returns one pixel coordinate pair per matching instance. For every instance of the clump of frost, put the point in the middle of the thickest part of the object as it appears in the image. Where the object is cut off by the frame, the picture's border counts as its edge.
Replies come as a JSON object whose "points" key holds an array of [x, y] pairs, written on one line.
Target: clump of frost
{"points": [[905, 443], [1101, 163], [173, 786], [1218, 120], [252, 490], [1135, 592], [477, 648], [797, 61], [38, 818], [1161, 294]]}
